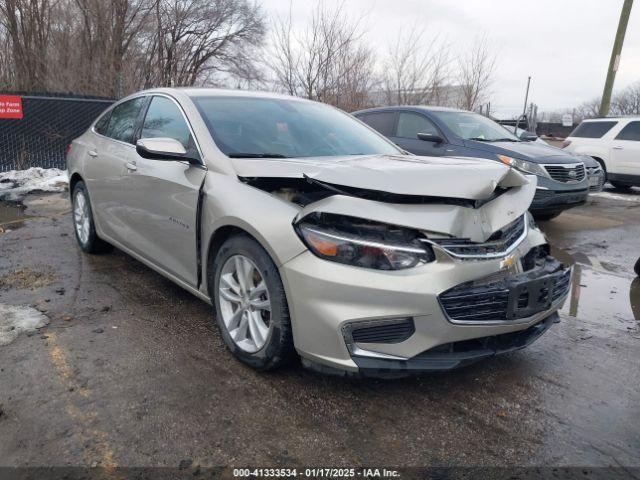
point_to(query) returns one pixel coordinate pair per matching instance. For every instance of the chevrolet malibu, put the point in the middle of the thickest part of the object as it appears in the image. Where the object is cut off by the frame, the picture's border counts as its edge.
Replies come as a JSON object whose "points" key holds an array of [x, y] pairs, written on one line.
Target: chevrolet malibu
{"points": [[311, 233]]}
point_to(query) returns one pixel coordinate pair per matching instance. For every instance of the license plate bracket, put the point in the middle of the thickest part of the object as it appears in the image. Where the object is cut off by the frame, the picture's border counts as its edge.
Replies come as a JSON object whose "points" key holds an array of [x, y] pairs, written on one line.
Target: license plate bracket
{"points": [[529, 297]]}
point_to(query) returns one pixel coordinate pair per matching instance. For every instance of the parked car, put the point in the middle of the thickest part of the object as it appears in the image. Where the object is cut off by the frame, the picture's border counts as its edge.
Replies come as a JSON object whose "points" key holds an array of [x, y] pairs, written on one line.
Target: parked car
{"points": [[439, 131], [595, 173], [311, 233], [614, 143]]}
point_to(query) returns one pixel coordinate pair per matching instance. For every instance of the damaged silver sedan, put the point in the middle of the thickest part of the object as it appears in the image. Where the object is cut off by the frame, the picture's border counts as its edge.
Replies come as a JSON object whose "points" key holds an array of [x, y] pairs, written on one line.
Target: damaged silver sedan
{"points": [[311, 233]]}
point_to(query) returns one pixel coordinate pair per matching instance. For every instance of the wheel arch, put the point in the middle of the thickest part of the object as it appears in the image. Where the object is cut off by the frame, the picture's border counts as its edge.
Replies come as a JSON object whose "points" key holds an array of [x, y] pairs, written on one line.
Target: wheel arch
{"points": [[218, 237], [73, 180], [600, 161]]}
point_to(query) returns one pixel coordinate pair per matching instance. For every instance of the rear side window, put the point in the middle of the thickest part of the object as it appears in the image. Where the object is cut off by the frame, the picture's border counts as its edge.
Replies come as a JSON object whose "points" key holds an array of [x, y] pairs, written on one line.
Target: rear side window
{"points": [[123, 120], [630, 132], [411, 124], [103, 123], [592, 129], [381, 121], [164, 120]]}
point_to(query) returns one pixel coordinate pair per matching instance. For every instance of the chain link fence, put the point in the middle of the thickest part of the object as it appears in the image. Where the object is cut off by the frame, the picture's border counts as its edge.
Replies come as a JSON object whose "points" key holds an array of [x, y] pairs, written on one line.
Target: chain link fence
{"points": [[50, 122]]}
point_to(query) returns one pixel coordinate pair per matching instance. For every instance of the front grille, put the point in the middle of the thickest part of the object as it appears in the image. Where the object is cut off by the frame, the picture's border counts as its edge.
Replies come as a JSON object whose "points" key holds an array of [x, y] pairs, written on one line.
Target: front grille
{"points": [[395, 332], [481, 303], [497, 245], [566, 173]]}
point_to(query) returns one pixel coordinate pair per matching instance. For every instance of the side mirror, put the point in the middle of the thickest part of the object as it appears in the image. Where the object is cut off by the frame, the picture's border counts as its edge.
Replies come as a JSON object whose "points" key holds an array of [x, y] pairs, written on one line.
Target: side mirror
{"points": [[430, 137], [528, 137], [162, 149]]}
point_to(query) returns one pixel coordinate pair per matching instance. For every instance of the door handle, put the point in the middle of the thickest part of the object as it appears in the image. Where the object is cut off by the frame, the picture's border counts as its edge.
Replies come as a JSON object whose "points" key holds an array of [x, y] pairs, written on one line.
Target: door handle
{"points": [[92, 153], [131, 166], [618, 148]]}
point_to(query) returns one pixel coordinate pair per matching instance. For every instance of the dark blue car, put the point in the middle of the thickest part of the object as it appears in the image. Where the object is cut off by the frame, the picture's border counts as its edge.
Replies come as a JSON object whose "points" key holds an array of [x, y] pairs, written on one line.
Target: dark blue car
{"points": [[439, 131]]}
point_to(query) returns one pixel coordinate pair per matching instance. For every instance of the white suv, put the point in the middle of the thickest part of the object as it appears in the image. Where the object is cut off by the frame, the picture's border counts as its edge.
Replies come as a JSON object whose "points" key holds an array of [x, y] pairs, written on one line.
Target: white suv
{"points": [[615, 143]]}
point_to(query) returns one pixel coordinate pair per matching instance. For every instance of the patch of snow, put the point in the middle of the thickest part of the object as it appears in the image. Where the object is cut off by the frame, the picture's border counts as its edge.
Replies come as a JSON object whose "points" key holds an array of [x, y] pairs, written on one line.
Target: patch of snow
{"points": [[15, 184], [15, 320], [613, 196]]}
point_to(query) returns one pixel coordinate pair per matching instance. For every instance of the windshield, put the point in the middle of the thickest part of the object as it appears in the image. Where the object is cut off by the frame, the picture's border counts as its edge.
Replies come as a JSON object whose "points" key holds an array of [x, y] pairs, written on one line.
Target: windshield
{"points": [[472, 126], [246, 127]]}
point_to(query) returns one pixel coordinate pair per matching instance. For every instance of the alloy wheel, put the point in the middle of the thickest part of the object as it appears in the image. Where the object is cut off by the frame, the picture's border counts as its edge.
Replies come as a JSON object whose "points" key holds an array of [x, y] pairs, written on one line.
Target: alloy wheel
{"points": [[81, 216], [244, 303]]}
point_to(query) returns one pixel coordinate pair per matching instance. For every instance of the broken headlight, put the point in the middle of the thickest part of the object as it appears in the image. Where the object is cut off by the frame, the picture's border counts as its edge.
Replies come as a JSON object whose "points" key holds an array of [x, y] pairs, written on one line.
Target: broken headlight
{"points": [[363, 243]]}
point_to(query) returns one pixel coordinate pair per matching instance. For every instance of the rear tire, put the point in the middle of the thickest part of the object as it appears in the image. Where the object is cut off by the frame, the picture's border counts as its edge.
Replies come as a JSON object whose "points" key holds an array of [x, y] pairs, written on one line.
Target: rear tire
{"points": [[251, 306], [637, 267], [546, 216], [83, 224]]}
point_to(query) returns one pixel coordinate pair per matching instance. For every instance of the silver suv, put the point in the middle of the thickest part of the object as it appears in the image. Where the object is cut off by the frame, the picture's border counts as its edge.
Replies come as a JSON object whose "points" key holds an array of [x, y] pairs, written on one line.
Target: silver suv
{"points": [[311, 233]]}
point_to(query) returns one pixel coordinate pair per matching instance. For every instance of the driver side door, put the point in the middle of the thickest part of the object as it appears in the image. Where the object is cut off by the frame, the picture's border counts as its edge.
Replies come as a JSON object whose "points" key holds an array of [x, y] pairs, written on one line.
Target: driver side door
{"points": [[163, 195], [406, 135]]}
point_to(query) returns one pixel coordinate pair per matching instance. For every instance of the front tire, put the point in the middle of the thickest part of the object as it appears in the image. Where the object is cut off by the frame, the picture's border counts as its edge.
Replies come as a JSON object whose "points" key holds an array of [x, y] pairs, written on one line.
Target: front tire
{"points": [[83, 224], [251, 307], [621, 186]]}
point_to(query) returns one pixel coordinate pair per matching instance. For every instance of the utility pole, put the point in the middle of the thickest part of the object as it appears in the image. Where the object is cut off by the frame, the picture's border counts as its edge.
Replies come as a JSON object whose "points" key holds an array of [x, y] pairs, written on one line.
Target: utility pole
{"points": [[614, 62], [524, 109]]}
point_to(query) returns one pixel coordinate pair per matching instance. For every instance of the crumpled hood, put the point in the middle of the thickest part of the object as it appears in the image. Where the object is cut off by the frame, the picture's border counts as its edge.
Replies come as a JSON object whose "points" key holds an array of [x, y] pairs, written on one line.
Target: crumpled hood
{"points": [[405, 175], [532, 151]]}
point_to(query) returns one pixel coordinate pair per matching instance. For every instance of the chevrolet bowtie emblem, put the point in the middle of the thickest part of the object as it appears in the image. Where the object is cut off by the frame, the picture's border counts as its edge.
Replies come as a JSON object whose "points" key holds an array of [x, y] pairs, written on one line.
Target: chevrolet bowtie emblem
{"points": [[507, 263]]}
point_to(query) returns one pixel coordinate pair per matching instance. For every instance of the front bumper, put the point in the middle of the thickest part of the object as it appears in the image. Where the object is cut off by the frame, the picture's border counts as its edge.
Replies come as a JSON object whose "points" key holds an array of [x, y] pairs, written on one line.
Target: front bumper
{"points": [[455, 354], [326, 297], [552, 201]]}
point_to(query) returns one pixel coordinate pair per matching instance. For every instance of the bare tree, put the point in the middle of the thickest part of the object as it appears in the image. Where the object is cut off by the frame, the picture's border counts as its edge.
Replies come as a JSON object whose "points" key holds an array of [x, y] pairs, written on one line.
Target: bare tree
{"points": [[627, 101], [475, 74], [28, 26], [196, 39], [7, 79], [415, 70], [328, 62]]}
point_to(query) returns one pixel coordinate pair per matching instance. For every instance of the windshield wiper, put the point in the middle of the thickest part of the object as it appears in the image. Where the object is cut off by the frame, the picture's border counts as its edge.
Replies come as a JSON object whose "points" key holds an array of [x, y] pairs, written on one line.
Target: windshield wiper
{"points": [[480, 139], [256, 155]]}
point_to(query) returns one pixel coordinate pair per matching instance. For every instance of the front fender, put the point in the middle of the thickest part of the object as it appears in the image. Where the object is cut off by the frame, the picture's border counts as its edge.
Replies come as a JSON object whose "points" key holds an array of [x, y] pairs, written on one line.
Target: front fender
{"points": [[267, 218]]}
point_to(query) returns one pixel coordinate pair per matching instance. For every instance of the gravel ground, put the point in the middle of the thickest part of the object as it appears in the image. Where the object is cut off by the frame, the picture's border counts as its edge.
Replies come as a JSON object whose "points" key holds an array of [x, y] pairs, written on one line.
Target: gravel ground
{"points": [[131, 370]]}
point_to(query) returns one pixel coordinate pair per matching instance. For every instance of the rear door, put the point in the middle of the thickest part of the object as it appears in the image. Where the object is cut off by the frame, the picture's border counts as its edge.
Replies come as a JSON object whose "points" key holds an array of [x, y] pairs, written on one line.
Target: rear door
{"points": [[625, 150], [408, 126], [105, 169], [162, 196]]}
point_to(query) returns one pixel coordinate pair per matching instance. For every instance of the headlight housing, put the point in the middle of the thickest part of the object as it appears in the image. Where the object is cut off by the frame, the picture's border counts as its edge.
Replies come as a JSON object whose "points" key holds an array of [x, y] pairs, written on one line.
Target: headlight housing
{"points": [[363, 243], [523, 165]]}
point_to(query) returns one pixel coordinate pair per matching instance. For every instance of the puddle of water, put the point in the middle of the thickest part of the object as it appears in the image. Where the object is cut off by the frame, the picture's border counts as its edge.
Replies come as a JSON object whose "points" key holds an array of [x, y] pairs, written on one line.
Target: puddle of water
{"points": [[11, 216], [601, 298]]}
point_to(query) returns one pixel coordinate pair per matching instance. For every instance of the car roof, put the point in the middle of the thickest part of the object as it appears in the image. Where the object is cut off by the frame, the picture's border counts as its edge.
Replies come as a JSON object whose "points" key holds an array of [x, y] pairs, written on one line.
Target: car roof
{"points": [[222, 92], [604, 119], [425, 108]]}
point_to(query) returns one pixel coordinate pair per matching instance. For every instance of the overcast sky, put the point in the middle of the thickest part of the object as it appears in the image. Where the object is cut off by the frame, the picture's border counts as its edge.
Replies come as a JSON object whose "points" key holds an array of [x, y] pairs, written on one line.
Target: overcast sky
{"points": [[564, 45]]}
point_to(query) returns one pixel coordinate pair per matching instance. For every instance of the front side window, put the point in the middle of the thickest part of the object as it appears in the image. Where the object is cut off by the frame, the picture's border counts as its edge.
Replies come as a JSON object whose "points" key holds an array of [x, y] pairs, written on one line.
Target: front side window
{"points": [[123, 120], [411, 124], [274, 127], [630, 132], [592, 129], [165, 120], [472, 126]]}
